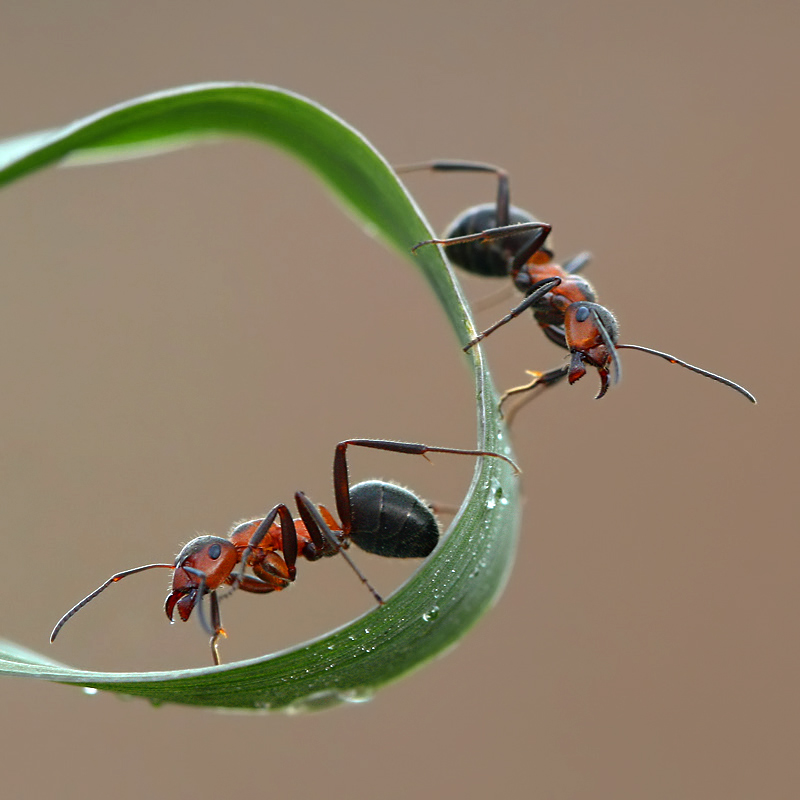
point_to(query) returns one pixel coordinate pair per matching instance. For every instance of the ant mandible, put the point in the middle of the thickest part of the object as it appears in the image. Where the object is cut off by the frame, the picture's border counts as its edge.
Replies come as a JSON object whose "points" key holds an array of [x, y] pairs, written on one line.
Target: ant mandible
{"points": [[379, 517], [501, 240]]}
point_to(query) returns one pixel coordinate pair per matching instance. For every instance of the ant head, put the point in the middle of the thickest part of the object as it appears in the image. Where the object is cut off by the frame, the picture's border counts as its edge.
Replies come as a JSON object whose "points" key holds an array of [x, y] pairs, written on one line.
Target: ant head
{"points": [[592, 332], [592, 336], [204, 562]]}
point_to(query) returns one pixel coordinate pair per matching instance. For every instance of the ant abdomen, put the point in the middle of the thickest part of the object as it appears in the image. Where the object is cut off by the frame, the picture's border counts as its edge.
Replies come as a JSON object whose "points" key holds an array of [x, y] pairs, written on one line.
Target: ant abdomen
{"points": [[489, 259], [392, 521]]}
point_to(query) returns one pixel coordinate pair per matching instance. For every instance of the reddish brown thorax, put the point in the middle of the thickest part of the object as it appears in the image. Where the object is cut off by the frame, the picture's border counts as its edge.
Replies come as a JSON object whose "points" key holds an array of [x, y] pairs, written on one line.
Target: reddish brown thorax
{"points": [[550, 309], [242, 533]]}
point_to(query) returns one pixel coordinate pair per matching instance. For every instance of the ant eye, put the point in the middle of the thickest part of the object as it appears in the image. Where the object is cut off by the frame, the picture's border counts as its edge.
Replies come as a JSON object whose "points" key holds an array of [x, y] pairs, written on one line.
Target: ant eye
{"points": [[214, 551], [582, 314]]}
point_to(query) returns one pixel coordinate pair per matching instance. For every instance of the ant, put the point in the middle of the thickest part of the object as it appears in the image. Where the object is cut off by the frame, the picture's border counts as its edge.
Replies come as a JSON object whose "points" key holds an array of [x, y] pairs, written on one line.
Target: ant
{"points": [[381, 518], [501, 240]]}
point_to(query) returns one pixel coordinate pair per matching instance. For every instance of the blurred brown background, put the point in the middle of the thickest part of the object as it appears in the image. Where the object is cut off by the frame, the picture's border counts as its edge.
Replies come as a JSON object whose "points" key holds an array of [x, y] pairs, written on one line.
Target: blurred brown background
{"points": [[152, 314]]}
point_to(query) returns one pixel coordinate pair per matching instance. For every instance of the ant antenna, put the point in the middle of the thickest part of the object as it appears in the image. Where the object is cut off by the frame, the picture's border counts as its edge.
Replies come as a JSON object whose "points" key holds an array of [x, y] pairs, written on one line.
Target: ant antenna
{"points": [[201, 593], [691, 367], [612, 349], [113, 579]]}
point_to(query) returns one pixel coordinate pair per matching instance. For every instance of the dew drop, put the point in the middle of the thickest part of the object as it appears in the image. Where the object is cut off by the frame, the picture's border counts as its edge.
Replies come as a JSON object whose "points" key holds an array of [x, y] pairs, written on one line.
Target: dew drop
{"points": [[431, 614], [328, 698], [359, 695]]}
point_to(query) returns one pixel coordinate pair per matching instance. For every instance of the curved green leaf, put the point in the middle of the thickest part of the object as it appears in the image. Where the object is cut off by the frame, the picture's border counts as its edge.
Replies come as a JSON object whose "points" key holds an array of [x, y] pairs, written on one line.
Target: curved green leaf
{"points": [[451, 590]]}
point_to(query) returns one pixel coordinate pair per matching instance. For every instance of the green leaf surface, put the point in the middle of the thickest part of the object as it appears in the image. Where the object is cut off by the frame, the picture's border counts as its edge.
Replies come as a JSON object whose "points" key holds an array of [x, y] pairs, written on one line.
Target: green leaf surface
{"points": [[459, 582]]}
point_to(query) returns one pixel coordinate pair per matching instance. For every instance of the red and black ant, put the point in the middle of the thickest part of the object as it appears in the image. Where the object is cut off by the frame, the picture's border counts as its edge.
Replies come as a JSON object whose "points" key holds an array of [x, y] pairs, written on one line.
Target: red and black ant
{"points": [[381, 518], [501, 240]]}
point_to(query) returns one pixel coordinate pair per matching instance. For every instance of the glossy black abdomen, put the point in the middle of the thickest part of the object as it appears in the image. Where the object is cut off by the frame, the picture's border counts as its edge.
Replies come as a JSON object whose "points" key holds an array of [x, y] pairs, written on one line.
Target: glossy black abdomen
{"points": [[391, 521]]}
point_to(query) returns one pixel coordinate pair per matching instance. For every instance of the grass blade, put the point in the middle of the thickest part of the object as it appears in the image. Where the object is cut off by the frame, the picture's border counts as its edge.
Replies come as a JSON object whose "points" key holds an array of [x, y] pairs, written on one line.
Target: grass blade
{"points": [[448, 594]]}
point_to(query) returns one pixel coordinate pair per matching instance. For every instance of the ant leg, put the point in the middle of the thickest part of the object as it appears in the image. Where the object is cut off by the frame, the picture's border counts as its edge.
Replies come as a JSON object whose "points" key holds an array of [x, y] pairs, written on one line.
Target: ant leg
{"points": [[540, 380], [218, 629], [525, 253], [326, 539], [271, 575], [492, 234], [256, 585], [556, 335], [214, 629], [503, 191], [502, 227], [541, 289], [288, 539], [318, 528], [578, 262], [341, 479], [489, 300], [443, 508]]}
